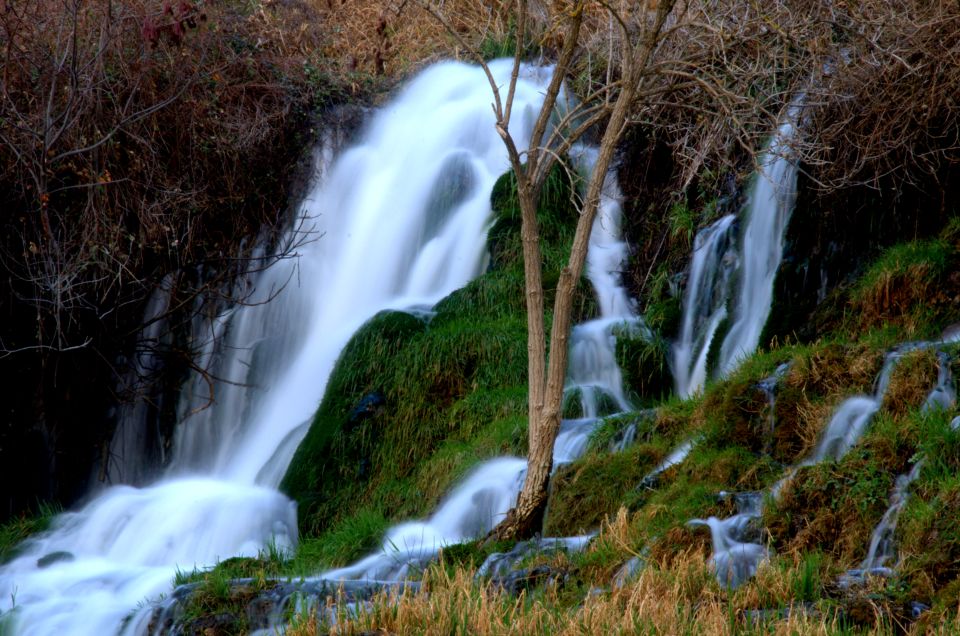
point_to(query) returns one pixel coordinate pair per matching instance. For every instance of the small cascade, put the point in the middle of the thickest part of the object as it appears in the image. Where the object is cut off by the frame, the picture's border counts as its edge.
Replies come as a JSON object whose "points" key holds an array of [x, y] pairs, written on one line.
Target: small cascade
{"points": [[735, 557], [852, 416], [769, 386], [717, 262], [137, 450], [770, 204], [500, 565], [943, 397], [737, 550], [675, 456], [712, 266], [881, 541], [626, 436], [882, 550]]}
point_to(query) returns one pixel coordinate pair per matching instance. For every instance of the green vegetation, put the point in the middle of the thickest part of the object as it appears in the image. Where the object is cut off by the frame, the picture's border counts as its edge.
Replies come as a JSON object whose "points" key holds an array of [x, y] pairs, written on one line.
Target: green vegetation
{"points": [[457, 379], [15, 531], [907, 286]]}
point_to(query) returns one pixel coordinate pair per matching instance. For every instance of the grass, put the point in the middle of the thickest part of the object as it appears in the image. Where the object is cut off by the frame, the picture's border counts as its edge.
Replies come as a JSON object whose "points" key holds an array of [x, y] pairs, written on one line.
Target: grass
{"points": [[679, 597], [908, 286], [18, 529]]}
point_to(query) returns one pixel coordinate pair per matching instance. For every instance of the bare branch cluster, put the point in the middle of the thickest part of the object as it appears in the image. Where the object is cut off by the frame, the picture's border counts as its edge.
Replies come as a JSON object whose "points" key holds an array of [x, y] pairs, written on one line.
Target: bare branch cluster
{"points": [[888, 102], [129, 131]]}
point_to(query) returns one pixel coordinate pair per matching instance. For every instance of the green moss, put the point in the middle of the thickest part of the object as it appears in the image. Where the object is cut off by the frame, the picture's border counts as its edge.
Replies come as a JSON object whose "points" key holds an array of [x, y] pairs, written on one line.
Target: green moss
{"points": [[928, 532], [360, 370], [908, 285]]}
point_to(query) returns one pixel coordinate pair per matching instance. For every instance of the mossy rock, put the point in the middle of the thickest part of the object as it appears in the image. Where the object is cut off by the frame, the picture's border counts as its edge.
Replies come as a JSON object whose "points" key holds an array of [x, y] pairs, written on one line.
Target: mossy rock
{"points": [[358, 371], [556, 218]]}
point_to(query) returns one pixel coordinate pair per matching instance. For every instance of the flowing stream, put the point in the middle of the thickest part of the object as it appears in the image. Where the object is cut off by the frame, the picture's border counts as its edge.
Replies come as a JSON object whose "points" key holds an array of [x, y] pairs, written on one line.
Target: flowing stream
{"points": [[399, 221]]}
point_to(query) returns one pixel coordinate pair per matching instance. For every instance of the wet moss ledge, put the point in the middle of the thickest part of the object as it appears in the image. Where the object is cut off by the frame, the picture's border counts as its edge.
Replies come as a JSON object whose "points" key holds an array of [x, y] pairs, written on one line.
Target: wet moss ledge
{"points": [[416, 401]]}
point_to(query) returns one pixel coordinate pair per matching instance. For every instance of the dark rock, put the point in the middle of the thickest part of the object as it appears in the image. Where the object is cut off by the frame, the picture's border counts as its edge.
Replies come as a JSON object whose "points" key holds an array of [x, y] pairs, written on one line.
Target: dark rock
{"points": [[528, 579], [368, 406], [54, 557], [211, 625]]}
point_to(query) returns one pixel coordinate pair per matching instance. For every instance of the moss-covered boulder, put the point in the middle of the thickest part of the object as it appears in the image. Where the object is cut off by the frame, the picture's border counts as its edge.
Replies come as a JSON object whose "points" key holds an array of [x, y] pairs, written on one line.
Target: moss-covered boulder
{"points": [[359, 372]]}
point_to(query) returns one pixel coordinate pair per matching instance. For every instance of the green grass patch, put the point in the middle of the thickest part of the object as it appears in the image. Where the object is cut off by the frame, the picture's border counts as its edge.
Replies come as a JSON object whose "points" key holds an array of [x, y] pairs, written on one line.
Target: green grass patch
{"points": [[15, 531]]}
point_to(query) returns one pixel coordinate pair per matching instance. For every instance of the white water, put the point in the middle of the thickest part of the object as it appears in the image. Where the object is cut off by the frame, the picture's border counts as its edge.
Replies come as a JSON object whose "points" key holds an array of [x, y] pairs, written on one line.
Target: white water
{"points": [[734, 560], [383, 240], [770, 204], [712, 265], [483, 499]]}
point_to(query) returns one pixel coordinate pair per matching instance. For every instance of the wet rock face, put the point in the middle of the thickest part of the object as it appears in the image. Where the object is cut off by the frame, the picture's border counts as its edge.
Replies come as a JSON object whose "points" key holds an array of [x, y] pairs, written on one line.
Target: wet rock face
{"points": [[250, 606], [832, 237]]}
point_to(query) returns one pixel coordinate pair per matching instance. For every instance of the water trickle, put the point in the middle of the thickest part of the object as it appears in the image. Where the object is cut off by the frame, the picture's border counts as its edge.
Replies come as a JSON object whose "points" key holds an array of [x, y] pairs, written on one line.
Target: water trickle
{"points": [[852, 416], [734, 560], [882, 550], [399, 221], [137, 451], [881, 541], [737, 551], [943, 397], [676, 456], [769, 386]]}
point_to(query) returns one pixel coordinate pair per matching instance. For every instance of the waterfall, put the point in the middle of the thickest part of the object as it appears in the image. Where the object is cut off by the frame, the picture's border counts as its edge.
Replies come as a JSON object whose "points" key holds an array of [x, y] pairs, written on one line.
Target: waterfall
{"points": [[398, 221], [770, 203], [713, 263], [482, 500], [716, 264]]}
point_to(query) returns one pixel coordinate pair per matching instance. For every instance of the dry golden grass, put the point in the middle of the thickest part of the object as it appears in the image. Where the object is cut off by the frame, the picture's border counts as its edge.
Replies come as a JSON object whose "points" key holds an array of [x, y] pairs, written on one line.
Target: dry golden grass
{"points": [[683, 598]]}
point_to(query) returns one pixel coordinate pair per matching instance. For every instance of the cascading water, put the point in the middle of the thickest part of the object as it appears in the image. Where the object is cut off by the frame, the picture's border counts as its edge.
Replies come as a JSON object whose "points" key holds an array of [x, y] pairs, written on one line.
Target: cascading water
{"points": [[399, 221], [737, 551], [705, 303], [137, 444], [882, 549], [735, 558], [770, 204], [482, 500], [716, 263]]}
